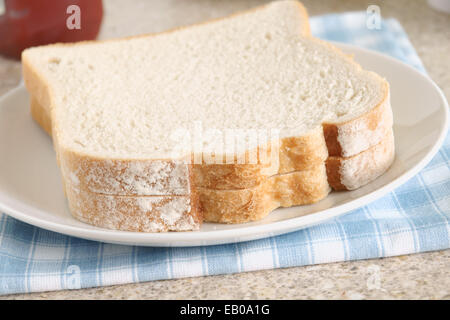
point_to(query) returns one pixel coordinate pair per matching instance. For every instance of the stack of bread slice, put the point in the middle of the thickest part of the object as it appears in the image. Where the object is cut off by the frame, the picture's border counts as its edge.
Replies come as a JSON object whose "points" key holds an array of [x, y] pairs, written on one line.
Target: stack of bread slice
{"points": [[112, 108]]}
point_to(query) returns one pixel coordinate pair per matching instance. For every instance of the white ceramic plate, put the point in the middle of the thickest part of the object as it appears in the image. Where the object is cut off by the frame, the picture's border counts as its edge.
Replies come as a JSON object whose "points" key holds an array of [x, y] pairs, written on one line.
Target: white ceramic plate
{"points": [[31, 191]]}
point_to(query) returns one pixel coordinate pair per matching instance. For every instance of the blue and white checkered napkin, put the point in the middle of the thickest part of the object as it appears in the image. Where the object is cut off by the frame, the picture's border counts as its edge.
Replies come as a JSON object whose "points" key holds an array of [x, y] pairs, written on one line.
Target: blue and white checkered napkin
{"points": [[413, 218]]}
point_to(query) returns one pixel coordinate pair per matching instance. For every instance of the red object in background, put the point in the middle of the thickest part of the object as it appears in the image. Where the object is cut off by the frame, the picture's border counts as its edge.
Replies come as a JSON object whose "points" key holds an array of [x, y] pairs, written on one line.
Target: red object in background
{"points": [[27, 23]]}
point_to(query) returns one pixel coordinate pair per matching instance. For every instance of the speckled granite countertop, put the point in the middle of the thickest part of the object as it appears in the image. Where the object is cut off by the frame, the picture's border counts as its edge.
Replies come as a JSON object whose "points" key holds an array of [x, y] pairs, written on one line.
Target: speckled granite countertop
{"points": [[419, 276]]}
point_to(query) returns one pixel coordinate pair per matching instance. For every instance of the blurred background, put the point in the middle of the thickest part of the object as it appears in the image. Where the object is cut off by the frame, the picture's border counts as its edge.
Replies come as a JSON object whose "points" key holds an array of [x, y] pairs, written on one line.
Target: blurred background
{"points": [[427, 27]]}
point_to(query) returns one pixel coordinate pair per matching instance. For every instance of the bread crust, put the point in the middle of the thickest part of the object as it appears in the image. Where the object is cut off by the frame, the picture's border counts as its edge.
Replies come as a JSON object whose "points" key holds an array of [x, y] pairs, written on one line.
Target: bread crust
{"points": [[238, 205], [144, 214], [137, 214], [299, 187], [353, 172], [283, 190]]}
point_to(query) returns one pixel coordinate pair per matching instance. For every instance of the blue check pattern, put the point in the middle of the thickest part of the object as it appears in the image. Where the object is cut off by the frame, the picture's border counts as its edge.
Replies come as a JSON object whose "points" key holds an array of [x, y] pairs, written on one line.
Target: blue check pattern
{"points": [[413, 218]]}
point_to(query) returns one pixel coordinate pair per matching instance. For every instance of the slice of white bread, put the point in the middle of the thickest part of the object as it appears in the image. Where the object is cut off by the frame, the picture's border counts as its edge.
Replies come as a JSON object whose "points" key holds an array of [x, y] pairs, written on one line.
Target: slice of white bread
{"points": [[253, 70]]}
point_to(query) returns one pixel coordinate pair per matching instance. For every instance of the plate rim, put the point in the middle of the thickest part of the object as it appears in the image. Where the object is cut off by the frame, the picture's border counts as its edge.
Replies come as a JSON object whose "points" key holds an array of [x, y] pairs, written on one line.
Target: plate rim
{"points": [[215, 237]]}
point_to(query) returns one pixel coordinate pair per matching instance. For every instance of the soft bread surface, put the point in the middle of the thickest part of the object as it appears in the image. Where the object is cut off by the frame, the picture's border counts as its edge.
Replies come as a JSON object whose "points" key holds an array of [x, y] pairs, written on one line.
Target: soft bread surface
{"points": [[270, 77]]}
